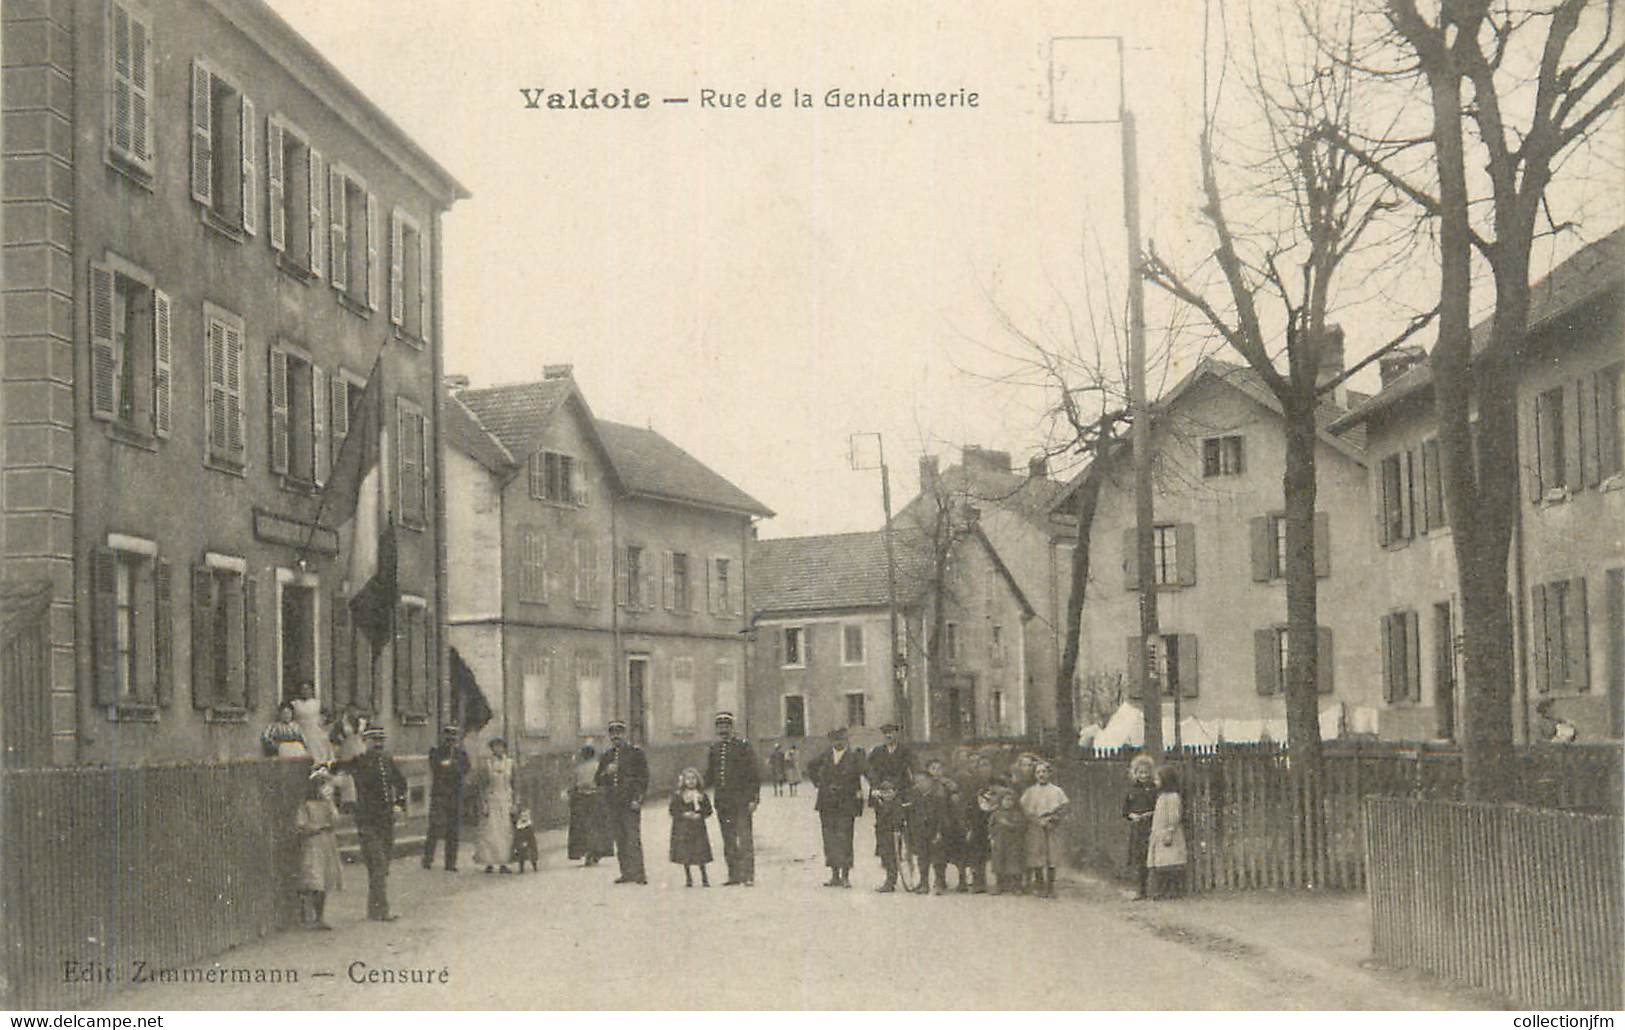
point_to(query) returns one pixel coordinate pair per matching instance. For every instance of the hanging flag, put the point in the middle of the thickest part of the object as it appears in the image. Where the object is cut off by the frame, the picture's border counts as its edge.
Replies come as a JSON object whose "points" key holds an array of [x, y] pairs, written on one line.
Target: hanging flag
{"points": [[356, 505], [469, 705]]}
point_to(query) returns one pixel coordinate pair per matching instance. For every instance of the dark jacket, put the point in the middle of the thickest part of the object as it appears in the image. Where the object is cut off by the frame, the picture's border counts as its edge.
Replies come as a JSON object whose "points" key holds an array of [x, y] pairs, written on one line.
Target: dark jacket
{"points": [[379, 788], [448, 767], [630, 779], [840, 784], [896, 766], [732, 773]]}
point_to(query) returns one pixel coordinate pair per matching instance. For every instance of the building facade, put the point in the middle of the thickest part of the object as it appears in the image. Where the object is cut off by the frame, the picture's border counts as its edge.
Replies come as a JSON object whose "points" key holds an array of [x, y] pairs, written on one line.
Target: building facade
{"points": [[211, 238], [598, 571]]}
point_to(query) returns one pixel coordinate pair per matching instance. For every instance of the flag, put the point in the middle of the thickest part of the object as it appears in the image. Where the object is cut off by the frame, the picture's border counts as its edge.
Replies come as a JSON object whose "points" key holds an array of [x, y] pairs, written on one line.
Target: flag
{"points": [[355, 504], [468, 702]]}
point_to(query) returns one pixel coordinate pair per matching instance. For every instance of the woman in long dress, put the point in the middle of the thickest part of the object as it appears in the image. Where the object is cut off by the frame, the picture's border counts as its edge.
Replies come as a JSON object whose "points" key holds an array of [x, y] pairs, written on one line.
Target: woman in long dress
{"points": [[307, 712], [590, 837], [494, 846]]}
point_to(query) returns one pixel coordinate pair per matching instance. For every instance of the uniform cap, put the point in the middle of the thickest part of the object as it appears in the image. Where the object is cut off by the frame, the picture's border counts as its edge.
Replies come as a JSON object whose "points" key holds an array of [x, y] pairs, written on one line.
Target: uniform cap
{"points": [[615, 724], [725, 717]]}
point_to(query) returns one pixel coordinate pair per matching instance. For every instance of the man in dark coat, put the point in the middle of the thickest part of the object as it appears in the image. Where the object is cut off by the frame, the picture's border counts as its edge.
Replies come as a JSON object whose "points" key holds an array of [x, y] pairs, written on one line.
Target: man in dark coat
{"points": [[838, 775], [893, 763], [448, 767], [736, 782], [380, 789], [623, 773]]}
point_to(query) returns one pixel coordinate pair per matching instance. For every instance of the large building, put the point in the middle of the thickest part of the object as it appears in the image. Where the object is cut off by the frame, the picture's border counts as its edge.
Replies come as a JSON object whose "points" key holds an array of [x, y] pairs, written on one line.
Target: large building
{"points": [[211, 238], [598, 571], [1567, 561]]}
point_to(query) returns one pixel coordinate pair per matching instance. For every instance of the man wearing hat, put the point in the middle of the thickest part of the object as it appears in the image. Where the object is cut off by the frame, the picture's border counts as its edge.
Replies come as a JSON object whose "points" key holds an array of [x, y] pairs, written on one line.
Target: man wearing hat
{"points": [[893, 763], [838, 775], [380, 789], [623, 772], [736, 782], [448, 766]]}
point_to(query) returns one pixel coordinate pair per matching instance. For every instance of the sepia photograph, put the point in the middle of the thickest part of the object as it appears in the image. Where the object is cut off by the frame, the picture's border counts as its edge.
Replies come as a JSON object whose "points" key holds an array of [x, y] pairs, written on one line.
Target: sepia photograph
{"points": [[691, 506]]}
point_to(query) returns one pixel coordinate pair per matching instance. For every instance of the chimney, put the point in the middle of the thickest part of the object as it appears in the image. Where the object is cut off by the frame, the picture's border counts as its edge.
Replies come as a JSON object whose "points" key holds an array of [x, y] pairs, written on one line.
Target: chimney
{"points": [[454, 382], [1037, 467], [1399, 361], [558, 372], [928, 472], [1330, 364], [988, 460]]}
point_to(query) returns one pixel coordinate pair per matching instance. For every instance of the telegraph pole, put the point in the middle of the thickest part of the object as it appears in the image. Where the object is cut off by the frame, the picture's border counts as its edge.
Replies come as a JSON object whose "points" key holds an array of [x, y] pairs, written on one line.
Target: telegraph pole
{"points": [[899, 664]]}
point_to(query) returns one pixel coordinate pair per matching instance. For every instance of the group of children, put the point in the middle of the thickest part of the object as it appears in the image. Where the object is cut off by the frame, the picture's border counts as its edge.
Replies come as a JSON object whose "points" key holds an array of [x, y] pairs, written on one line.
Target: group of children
{"points": [[1156, 834]]}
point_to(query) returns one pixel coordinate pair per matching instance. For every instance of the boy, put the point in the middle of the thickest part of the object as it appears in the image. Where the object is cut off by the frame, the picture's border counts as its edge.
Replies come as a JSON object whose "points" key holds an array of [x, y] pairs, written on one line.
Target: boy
{"points": [[888, 805], [932, 825]]}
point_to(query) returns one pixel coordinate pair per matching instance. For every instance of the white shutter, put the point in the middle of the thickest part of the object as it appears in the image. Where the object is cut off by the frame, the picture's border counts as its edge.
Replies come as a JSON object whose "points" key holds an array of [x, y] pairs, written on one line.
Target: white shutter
{"points": [[237, 437], [318, 232], [163, 357], [397, 290], [274, 173], [338, 261], [318, 421], [214, 401], [372, 252], [104, 374], [279, 409], [251, 181], [141, 91], [339, 424], [423, 285], [202, 137], [119, 118]]}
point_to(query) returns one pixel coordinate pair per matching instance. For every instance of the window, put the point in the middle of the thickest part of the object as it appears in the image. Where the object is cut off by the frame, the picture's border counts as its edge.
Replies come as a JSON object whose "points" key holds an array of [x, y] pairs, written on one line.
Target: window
{"points": [[586, 571], [794, 650], [722, 588], [415, 667], [995, 645], [1401, 658], [532, 565], [1165, 555], [682, 693], [1433, 513], [1171, 661], [634, 590], [852, 645], [1549, 430], [536, 676], [1271, 652], [347, 389], [224, 147], [677, 590], [300, 400], [795, 715], [1396, 494], [855, 715], [589, 690], [223, 403], [132, 627], [1173, 556], [1268, 537], [1221, 456], [131, 350], [950, 641], [296, 186], [412, 484], [408, 285], [727, 686], [1561, 636], [557, 478], [222, 633], [1444, 672], [352, 239], [129, 73]]}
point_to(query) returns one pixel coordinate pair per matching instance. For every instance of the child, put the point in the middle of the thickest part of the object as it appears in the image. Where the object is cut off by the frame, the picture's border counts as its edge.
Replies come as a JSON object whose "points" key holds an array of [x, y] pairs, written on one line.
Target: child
{"points": [[931, 823], [792, 768], [1167, 853], [1007, 833], [1138, 804], [1043, 804], [524, 841], [888, 804], [318, 849], [690, 842]]}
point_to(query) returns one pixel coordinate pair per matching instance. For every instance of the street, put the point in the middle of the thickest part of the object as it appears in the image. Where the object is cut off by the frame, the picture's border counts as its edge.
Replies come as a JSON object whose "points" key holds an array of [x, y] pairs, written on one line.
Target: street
{"points": [[569, 938]]}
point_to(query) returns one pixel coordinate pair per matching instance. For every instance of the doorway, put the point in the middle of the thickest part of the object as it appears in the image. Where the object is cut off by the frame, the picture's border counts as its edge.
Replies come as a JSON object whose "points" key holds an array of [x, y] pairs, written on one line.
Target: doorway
{"points": [[637, 683], [795, 715], [962, 708], [298, 638]]}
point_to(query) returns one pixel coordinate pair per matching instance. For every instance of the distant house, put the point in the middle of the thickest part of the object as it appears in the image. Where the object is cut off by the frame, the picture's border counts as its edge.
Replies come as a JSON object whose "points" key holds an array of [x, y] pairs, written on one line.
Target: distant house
{"points": [[597, 570], [1567, 560]]}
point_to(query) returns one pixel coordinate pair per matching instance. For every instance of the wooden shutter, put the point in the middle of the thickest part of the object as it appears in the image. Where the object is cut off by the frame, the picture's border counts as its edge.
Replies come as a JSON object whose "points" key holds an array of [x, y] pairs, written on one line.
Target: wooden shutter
{"points": [[1131, 567], [373, 289], [623, 586], [251, 176], [251, 623], [316, 225], [104, 622], [338, 425], [338, 258], [1185, 552], [275, 175], [1379, 496], [582, 570], [118, 111], [650, 598], [1389, 680], [669, 582], [1538, 639], [1323, 544], [236, 439], [1262, 546], [163, 364], [141, 91], [1533, 447], [1608, 421], [1590, 437], [278, 423], [1576, 637], [1407, 495], [423, 286], [1187, 665], [736, 586], [1323, 660], [342, 646], [1135, 664], [1266, 662], [202, 136], [397, 289], [1433, 477], [233, 597], [1413, 657], [403, 682], [711, 586], [214, 401], [203, 601], [1573, 473], [578, 481], [163, 632], [543, 586], [104, 356]]}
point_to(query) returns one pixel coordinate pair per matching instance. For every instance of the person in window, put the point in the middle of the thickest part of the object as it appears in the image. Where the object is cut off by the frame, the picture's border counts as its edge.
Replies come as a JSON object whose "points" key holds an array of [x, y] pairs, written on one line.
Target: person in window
{"points": [[307, 712], [1552, 729], [494, 847], [283, 738], [589, 839]]}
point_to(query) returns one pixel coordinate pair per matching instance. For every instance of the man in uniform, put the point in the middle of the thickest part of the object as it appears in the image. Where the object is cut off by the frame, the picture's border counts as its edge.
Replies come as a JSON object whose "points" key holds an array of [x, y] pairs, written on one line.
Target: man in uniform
{"points": [[380, 789], [736, 782], [838, 775], [448, 767], [891, 763], [623, 773]]}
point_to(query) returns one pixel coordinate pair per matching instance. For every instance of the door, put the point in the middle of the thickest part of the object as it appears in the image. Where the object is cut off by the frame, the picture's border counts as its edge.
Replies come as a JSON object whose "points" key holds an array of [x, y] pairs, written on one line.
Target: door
{"points": [[795, 715], [298, 638], [637, 679], [961, 707]]}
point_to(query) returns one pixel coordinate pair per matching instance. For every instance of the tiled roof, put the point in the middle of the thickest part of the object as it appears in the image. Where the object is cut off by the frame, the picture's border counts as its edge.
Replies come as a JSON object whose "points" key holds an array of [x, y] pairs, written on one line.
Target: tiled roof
{"points": [[845, 570], [518, 413], [1028, 496], [465, 433], [648, 463]]}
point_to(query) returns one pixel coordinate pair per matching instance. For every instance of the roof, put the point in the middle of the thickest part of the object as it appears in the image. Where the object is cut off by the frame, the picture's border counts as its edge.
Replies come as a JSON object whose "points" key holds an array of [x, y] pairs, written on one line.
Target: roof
{"points": [[464, 432], [843, 570], [1029, 496], [1588, 273], [651, 465], [518, 413]]}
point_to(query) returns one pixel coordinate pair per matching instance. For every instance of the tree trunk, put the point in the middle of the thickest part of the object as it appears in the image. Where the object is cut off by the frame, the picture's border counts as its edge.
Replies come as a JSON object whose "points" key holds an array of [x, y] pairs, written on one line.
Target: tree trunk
{"points": [[1302, 671], [1088, 501]]}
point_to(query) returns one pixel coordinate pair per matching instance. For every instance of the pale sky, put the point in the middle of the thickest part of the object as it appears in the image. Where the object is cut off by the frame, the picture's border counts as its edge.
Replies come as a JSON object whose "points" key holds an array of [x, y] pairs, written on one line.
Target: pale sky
{"points": [[758, 284]]}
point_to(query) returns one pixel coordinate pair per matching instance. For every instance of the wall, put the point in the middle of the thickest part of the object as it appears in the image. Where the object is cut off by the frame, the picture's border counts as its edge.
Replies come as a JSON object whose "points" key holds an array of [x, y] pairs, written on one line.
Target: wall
{"points": [[1029, 551], [977, 599], [474, 534], [824, 679]]}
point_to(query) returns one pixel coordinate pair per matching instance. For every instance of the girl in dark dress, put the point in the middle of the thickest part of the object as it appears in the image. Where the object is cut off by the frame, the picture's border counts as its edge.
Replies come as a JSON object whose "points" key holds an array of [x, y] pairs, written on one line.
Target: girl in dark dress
{"points": [[690, 841], [1138, 805]]}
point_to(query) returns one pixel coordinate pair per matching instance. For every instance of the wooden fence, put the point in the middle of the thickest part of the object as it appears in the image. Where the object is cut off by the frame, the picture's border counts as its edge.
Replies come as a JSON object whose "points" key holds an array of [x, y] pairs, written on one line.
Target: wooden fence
{"points": [[1523, 902], [165, 865]]}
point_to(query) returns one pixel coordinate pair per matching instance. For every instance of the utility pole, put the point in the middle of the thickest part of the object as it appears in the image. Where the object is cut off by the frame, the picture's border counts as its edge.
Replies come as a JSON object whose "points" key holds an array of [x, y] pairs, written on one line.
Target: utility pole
{"points": [[899, 664]]}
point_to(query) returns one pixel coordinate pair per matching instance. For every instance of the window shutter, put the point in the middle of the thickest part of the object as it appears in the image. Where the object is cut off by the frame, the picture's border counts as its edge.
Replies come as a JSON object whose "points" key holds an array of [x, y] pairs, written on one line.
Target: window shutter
{"points": [[1131, 567], [1266, 662], [669, 585], [1323, 659], [397, 289], [1187, 665], [279, 409], [1379, 497], [104, 622], [339, 418], [402, 652], [234, 392], [103, 352], [1590, 437], [1541, 646], [338, 260], [1576, 637], [542, 584], [318, 421], [424, 279], [119, 127], [372, 252], [1136, 666], [1413, 658], [202, 137], [1262, 545], [163, 633], [1407, 487], [623, 589], [276, 204], [713, 604], [1185, 548], [316, 224], [1573, 475], [578, 481], [1608, 421], [343, 648], [239, 679], [650, 599], [736, 587], [1389, 693], [203, 685], [579, 591], [1323, 544], [251, 176], [1438, 515], [163, 364], [1534, 447]]}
